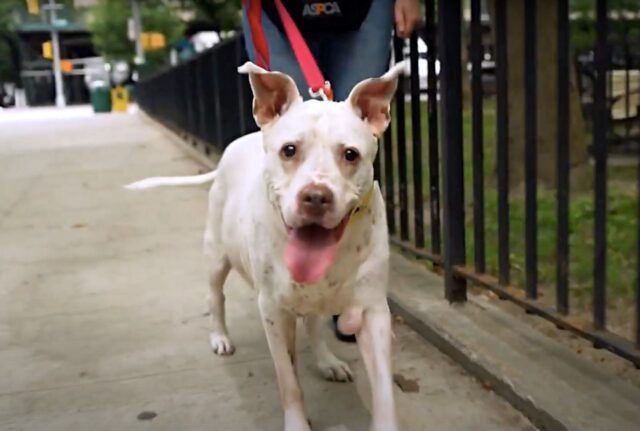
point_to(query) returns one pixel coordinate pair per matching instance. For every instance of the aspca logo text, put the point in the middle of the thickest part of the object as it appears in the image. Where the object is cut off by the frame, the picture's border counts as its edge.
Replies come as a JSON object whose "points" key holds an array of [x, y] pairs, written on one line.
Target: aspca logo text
{"points": [[318, 9]]}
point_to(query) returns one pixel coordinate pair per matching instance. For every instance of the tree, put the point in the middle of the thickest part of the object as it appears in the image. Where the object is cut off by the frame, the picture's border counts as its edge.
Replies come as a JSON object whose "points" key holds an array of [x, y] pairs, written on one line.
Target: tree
{"points": [[583, 29], [8, 70], [547, 57], [223, 14], [108, 25]]}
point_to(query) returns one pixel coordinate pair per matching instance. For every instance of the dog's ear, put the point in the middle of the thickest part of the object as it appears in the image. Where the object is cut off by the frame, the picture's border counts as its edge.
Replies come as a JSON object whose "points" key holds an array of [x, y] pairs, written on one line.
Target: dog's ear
{"points": [[371, 99], [273, 93]]}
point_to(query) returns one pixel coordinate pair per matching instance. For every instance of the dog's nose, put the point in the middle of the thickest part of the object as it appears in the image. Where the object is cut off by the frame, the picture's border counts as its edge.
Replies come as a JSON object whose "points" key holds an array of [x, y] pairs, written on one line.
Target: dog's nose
{"points": [[315, 200]]}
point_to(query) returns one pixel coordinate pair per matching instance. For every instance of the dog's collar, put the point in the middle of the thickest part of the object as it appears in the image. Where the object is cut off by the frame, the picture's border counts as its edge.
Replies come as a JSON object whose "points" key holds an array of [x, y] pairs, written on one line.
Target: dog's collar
{"points": [[360, 209]]}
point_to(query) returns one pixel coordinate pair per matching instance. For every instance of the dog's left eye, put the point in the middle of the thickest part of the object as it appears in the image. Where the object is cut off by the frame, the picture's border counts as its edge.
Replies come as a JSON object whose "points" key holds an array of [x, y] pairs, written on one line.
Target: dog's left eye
{"points": [[288, 151], [351, 155]]}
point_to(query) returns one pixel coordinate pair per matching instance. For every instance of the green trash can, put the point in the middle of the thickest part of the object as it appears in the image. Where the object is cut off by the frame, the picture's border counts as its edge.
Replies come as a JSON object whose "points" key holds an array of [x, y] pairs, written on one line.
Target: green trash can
{"points": [[100, 97]]}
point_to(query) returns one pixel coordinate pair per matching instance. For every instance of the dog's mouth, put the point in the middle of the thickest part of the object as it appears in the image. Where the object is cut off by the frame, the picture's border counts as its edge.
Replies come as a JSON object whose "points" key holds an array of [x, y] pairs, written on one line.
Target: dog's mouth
{"points": [[311, 250]]}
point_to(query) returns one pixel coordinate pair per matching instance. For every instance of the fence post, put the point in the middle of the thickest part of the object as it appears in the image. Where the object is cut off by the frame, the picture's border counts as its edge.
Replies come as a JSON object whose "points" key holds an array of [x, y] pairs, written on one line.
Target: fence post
{"points": [[562, 162], [502, 142], [600, 125], [416, 132], [401, 146], [449, 35], [477, 119], [240, 85], [432, 109], [531, 151]]}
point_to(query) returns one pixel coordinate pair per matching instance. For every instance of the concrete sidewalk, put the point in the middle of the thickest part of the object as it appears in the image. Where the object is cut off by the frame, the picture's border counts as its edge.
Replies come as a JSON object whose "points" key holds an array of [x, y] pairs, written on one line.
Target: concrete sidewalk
{"points": [[103, 320]]}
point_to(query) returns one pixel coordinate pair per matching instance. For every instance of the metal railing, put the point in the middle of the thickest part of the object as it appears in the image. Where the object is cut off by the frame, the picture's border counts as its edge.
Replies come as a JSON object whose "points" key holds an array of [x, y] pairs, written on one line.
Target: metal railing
{"points": [[405, 200], [204, 98], [421, 162]]}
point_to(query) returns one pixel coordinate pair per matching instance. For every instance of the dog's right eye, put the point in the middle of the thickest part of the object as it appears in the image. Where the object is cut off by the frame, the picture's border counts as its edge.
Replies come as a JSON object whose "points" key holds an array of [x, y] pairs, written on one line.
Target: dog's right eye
{"points": [[288, 151]]}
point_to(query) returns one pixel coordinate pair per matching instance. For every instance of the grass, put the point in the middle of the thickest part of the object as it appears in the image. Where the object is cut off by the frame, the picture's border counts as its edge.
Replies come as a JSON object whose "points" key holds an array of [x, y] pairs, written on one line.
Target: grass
{"points": [[621, 222]]}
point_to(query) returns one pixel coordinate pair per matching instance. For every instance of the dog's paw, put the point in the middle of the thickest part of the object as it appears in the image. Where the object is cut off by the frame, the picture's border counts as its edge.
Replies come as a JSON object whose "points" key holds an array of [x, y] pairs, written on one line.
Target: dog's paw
{"points": [[335, 370], [221, 344], [295, 420]]}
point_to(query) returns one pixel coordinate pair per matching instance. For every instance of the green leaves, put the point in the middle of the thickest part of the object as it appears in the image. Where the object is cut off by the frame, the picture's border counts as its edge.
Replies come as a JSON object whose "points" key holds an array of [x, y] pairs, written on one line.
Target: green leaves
{"points": [[108, 24]]}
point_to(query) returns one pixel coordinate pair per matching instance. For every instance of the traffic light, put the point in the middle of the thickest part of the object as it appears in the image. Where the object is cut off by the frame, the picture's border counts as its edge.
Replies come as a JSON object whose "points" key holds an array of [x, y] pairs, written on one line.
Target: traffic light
{"points": [[66, 66], [47, 50], [33, 7], [152, 41]]}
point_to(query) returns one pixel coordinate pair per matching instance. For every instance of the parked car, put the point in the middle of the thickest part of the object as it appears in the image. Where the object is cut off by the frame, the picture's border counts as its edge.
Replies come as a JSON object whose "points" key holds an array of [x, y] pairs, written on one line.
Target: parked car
{"points": [[423, 65], [488, 68], [488, 73]]}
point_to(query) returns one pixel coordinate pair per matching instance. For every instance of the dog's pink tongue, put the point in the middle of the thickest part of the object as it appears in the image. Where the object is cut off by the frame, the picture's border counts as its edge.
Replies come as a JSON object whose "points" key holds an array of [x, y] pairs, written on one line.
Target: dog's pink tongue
{"points": [[309, 253]]}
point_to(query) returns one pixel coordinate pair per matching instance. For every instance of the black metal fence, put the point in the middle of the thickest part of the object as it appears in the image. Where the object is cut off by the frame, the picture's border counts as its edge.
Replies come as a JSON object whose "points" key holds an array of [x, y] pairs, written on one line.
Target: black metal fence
{"points": [[433, 160], [204, 98]]}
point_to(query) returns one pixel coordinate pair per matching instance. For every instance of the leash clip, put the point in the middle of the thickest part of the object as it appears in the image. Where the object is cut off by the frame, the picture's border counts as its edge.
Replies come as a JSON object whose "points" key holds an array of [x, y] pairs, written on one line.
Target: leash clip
{"points": [[325, 93]]}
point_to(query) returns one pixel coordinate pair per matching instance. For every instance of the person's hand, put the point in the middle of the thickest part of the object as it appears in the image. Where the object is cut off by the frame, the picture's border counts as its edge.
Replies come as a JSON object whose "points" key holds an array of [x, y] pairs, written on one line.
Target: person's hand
{"points": [[408, 16]]}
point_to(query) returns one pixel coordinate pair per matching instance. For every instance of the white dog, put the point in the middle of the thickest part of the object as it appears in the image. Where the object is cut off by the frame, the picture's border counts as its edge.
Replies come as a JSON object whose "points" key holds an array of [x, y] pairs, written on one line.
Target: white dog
{"points": [[295, 210]]}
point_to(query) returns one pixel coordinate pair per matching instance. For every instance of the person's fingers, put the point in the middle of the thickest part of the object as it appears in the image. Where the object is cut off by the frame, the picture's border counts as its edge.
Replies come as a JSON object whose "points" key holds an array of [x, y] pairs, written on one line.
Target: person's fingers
{"points": [[413, 21], [412, 18], [400, 18]]}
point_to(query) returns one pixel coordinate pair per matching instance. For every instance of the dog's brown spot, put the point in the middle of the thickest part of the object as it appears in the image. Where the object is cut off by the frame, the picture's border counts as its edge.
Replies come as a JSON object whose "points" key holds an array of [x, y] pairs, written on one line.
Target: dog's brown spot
{"points": [[78, 225], [269, 321]]}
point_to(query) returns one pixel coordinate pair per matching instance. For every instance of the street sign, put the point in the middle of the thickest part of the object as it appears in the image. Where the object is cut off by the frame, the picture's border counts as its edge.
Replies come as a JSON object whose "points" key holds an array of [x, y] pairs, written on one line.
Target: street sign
{"points": [[85, 3], [131, 29], [60, 23]]}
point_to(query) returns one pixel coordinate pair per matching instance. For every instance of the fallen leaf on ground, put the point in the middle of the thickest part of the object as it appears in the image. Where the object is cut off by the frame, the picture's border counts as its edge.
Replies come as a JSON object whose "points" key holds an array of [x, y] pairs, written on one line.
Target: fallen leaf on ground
{"points": [[147, 416], [406, 385]]}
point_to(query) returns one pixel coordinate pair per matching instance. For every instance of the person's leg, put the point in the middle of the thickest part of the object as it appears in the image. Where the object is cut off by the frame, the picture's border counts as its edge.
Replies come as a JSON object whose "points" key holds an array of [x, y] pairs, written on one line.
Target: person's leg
{"points": [[280, 55], [351, 57]]}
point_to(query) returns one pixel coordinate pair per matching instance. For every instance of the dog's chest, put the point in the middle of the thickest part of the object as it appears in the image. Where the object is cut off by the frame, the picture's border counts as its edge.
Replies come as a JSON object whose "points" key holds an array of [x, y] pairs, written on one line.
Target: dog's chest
{"points": [[330, 296]]}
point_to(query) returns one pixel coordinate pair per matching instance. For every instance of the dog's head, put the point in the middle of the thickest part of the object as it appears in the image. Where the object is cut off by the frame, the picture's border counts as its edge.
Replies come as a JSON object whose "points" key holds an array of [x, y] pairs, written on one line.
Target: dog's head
{"points": [[319, 159]]}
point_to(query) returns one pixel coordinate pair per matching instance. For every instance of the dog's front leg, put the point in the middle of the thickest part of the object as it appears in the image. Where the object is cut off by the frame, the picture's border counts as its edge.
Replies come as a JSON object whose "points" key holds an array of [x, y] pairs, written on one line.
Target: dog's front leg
{"points": [[329, 365], [374, 341], [280, 327]]}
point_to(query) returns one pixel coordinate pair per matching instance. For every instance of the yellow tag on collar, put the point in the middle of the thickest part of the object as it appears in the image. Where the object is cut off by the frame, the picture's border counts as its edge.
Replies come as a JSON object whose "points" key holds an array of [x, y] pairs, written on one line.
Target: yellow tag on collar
{"points": [[362, 207]]}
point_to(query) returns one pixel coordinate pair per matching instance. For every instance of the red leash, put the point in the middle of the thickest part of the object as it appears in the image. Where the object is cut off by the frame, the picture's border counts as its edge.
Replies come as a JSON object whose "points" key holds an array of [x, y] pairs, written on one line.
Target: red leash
{"points": [[318, 86]]}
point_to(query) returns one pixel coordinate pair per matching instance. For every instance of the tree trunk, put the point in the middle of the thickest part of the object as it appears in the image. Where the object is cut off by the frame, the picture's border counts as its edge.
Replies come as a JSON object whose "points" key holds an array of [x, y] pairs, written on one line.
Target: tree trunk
{"points": [[547, 109]]}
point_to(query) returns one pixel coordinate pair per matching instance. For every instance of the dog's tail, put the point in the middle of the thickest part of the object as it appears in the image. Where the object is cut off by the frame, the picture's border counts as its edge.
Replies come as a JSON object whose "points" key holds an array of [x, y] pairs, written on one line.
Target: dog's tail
{"points": [[149, 183]]}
